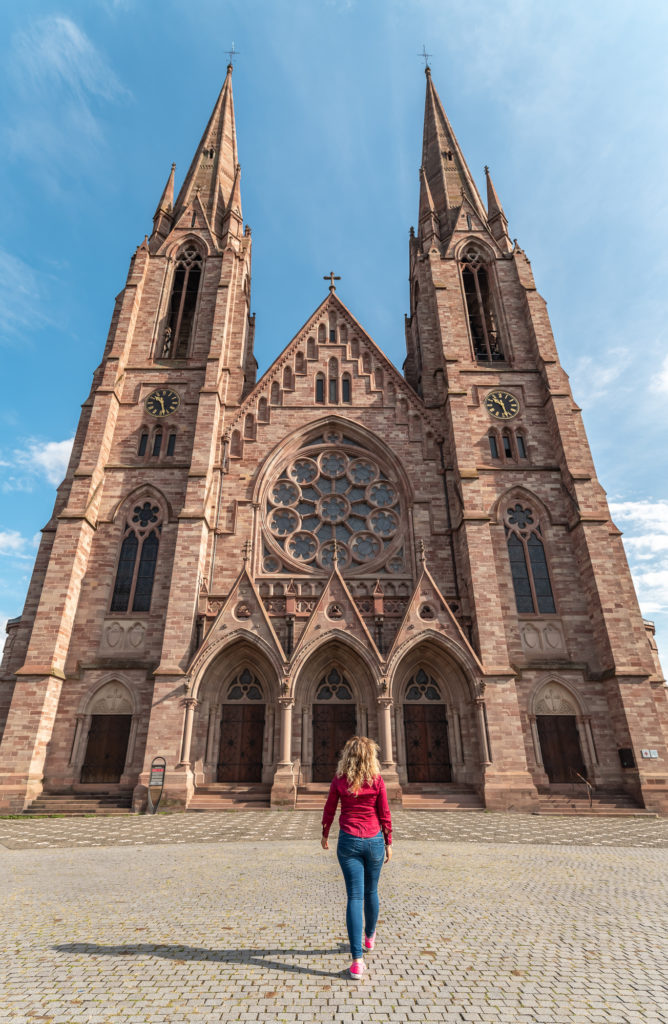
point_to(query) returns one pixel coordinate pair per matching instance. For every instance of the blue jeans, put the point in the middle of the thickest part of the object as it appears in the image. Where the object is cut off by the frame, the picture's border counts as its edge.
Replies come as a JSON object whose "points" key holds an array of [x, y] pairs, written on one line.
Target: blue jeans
{"points": [[361, 861]]}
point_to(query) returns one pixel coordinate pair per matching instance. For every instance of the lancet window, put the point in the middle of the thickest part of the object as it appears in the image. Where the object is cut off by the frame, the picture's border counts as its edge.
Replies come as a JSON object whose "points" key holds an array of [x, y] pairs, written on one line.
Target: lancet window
{"points": [[480, 308], [528, 563], [137, 560], [183, 304]]}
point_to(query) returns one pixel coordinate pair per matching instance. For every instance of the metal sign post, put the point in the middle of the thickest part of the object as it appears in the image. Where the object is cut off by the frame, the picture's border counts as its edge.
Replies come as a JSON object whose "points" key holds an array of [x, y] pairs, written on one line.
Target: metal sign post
{"points": [[156, 783]]}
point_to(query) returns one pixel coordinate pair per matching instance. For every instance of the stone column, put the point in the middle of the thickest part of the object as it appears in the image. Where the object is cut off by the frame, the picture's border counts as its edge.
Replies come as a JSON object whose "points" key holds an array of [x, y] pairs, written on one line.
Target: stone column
{"points": [[482, 731], [190, 704], [457, 728], [538, 754], [214, 714], [283, 790], [388, 764], [74, 754]]}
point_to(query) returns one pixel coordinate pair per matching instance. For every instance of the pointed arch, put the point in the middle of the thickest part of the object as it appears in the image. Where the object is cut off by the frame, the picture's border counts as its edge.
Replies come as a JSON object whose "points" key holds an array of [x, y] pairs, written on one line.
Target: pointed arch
{"points": [[183, 302], [137, 559]]}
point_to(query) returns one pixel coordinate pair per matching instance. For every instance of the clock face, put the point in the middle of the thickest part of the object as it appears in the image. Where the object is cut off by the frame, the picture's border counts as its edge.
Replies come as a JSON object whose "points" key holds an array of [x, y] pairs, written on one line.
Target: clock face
{"points": [[162, 402], [502, 405]]}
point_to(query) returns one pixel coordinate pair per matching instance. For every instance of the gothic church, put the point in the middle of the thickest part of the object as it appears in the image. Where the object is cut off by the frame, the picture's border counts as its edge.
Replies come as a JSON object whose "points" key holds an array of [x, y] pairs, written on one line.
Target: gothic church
{"points": [[239, 574]]}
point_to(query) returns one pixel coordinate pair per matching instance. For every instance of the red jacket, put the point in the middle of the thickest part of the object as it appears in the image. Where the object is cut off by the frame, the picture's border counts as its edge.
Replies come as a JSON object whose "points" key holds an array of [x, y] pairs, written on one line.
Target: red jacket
{"points": [[362, 815]]}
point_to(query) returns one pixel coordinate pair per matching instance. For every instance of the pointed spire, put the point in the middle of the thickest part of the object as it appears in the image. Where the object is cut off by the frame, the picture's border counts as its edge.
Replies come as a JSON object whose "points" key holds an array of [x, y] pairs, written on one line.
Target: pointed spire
{"points": [[162, 218], [214, 172], [446, 174], [498, 223]]}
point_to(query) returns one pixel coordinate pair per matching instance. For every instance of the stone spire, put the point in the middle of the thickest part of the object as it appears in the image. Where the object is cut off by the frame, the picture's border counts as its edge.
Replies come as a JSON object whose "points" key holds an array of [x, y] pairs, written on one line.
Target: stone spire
{"points": [[498, 224], [162, 218], [212, 181], [445, 180]]}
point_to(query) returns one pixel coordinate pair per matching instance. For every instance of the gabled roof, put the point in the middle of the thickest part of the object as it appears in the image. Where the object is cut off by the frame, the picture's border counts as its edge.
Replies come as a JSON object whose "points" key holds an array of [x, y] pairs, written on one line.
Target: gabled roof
{"points": [[298, 343], [335, 610]]}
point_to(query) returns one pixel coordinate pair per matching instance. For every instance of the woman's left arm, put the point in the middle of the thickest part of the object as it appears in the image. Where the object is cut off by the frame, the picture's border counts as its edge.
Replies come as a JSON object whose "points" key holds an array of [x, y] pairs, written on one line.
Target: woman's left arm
{"points": [[329, 812]]}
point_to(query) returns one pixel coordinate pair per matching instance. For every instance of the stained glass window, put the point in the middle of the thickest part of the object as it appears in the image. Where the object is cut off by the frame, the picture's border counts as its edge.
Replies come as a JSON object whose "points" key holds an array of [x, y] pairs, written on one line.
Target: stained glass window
{"points": [[528, 563]]}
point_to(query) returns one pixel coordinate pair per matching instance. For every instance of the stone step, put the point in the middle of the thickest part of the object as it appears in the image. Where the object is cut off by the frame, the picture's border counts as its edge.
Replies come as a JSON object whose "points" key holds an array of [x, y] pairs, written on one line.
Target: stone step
{"points": [[597, 812], [73, 804]]}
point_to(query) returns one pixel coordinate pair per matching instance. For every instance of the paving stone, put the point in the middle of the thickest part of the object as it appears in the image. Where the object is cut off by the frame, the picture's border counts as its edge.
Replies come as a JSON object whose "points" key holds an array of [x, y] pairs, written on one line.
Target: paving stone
{"points": [[543, 928]]}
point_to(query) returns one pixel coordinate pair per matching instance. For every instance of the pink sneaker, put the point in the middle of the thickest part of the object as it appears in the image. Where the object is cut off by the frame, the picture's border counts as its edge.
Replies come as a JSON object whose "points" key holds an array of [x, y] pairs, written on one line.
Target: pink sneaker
{"points": [[369, 941], [356, 969]]}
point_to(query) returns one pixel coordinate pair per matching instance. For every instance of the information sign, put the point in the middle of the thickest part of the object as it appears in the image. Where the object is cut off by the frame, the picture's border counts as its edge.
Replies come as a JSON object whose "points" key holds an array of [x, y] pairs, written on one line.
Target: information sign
{"points": [[156, 782]]}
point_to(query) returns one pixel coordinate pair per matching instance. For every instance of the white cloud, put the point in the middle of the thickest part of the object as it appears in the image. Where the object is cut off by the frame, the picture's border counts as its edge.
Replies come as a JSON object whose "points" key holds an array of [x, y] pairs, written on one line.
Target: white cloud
{"points": [[4, 619], [660, 382], [591, 381], [46, 459], [20, 297], [645, 526], [14, 544], [59, 75]]}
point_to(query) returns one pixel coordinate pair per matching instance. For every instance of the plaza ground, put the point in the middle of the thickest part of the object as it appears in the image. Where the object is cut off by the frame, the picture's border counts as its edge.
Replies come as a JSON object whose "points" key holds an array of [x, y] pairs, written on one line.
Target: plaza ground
{"points": [[240, 917]]}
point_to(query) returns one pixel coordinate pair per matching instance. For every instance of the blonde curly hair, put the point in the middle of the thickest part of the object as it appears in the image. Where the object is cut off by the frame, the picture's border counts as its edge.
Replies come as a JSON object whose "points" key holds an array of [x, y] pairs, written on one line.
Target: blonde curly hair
{"points": [[359, 763]]}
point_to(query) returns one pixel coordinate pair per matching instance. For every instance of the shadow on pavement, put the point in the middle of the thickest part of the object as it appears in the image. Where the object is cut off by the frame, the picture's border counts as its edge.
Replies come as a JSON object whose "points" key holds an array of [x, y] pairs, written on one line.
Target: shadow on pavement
{"points": [[183, 954]]}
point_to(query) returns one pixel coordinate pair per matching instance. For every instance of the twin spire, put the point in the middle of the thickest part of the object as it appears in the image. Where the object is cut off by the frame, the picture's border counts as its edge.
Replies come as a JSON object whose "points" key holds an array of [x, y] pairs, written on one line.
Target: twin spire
{"points": [[211, 190]]}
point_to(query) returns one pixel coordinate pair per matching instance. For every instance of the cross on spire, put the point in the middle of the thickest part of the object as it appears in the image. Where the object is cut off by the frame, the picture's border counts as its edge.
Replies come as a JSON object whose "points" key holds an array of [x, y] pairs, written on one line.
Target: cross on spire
{"points": [[425, 57], [331, 277], [231, 55]]}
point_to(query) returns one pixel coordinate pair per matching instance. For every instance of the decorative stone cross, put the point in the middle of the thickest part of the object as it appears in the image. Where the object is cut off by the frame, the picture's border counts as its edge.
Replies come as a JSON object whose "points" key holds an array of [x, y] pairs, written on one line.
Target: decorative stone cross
{"points": [[331, 277]]}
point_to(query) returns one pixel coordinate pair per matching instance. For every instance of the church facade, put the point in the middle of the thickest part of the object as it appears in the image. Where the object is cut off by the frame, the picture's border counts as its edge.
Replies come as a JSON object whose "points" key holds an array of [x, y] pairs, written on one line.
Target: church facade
{"points": [[240, 574]]}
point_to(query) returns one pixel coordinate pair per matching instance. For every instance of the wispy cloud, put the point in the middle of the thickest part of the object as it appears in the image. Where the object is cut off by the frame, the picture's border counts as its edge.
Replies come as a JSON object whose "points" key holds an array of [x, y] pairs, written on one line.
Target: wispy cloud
{"points": [[592, 381], [21, 297], [59, 76], [645, 526], [15, 545], [38, 459], [660, 382]]}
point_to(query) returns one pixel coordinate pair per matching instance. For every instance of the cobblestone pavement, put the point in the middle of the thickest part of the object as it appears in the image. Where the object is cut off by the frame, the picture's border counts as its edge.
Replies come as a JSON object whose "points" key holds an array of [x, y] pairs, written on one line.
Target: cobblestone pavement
{"points": [[522, 932], [139, 830]]}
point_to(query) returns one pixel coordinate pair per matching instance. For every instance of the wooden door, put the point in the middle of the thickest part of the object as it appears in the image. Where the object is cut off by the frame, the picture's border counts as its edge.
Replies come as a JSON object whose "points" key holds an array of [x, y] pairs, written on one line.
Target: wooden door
{"points": [[107, 748], [427, 748], [241, 740], [333, 725], [560, 747]]}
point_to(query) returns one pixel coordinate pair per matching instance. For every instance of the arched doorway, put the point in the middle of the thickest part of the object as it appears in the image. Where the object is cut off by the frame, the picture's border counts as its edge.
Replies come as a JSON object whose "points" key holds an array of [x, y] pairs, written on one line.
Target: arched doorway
{"points": [[242, 730], [559, 744], [334, 722], [110, 723], [426, 731]]}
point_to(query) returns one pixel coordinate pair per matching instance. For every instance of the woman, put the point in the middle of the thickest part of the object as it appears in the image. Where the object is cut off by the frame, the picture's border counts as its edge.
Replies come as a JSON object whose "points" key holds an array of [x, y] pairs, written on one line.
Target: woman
{"points": [[365, 839]]}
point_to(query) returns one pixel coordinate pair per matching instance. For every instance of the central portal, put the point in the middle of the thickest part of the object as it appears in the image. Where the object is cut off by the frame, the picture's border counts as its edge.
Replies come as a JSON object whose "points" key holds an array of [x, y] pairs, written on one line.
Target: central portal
{"points": [[334, 722]]}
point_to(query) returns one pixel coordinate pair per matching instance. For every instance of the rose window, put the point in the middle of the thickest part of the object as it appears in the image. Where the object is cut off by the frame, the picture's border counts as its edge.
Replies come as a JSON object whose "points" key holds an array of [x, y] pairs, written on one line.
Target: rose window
{"points": [[332, 500]]}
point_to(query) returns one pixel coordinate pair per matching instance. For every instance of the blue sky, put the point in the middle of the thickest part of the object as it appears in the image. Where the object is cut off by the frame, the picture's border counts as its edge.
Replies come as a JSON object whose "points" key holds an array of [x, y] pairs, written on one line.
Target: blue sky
{"points": [[566, 102]]}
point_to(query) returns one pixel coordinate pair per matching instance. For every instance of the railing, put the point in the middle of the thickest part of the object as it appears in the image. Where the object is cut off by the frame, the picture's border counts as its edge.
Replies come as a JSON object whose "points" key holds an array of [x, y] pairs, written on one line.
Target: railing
{"points": [[590, 786]]}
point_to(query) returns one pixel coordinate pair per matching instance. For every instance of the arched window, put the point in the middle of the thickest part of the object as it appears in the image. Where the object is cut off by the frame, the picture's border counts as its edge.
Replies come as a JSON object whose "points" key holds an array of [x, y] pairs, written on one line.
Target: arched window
{"points": [[528, 564], [482, 320], [245, 687], [322, 333], [423, 688], [343, 334], [157, 443], [334, 687], [333, 386], [300, 364], [379, 377], [346, 389], [143, 442], [366, 362], [332, 329], [263, 410], [183, 304], [235, 444], [320, 389], [137, 560], [249, 427], [171, 443], [275, 393], [311, 349], [287, 378], [493, 445]]}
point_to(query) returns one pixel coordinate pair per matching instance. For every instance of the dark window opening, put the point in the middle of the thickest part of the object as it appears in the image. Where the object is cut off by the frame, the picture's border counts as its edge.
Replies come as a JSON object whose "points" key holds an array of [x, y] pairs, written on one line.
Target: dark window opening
{"points": [[469, 222], [541, 578], [157, 443], [346, 389], [507, 450], [171, 444], [333, 391], [320, 390], [332, 334], [145, 574], [493, 447], [521, 446], [143, 441], [482, 322], [125, 573], [528, 564], [184, 301]]}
